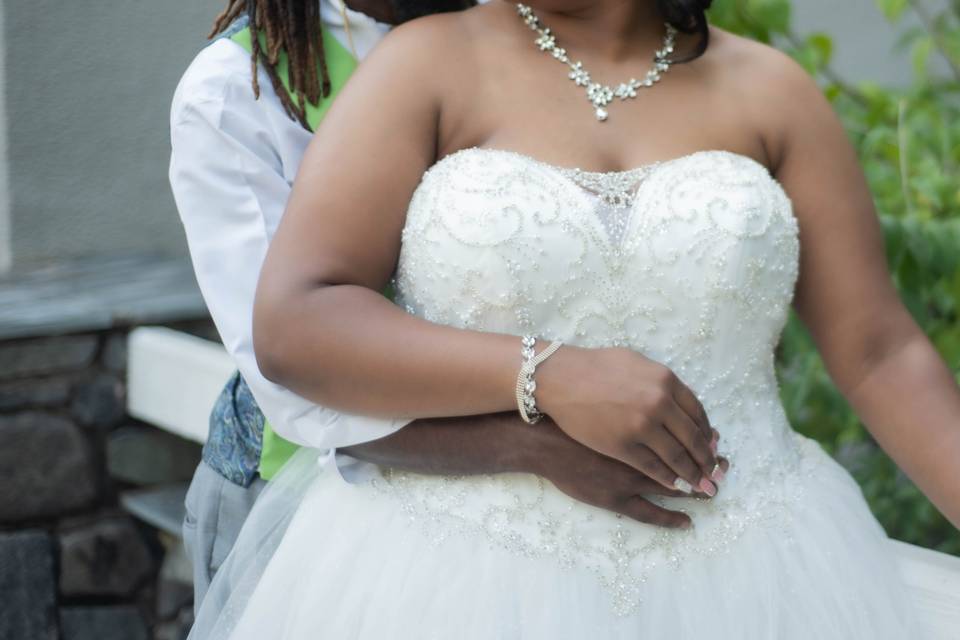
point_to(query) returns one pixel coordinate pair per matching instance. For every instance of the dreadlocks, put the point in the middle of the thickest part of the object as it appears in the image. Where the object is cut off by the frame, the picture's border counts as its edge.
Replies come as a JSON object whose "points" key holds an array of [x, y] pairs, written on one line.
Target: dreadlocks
{"points": [[286, 25]]}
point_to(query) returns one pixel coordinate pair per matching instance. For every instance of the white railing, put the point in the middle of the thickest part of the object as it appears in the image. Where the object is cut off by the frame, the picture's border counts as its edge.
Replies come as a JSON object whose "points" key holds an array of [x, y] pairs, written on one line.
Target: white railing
{"points": [[174, 378]]}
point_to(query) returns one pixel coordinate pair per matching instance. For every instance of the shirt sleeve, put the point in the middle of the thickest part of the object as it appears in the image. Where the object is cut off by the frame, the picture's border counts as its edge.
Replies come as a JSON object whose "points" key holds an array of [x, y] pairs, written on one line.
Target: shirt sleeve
{"points": [[228, 182]]}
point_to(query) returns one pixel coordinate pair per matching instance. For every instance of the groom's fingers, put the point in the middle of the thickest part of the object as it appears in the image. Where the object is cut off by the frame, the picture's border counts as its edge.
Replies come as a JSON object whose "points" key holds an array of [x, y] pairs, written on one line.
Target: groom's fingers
{"points": [[645, 511]]}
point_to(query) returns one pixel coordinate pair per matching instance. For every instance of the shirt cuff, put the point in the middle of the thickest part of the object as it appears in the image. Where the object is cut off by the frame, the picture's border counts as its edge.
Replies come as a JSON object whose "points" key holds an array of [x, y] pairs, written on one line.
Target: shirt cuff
{"points": [[339, 429]]}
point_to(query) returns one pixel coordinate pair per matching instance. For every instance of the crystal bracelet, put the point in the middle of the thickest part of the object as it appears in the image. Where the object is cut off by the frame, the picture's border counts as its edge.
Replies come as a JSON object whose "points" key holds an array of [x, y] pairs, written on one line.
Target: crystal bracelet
{"points": [[526, 385]]}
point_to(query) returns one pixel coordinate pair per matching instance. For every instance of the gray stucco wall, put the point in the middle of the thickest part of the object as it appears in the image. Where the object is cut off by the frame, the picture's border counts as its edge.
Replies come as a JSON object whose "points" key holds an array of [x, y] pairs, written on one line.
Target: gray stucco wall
{"points": [[6, 258], [88, 93], [863, 39]]}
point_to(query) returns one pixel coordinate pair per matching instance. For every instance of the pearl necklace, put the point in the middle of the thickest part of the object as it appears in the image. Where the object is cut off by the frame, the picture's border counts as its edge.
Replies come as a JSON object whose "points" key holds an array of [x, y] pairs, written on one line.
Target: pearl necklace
{"points": [[600, 95]]}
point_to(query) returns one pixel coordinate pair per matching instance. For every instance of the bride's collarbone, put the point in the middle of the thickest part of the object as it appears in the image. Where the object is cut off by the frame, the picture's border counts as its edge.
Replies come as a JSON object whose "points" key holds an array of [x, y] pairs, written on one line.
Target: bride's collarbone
{"points": [[577, 148], [557, 126], [518, 98]]}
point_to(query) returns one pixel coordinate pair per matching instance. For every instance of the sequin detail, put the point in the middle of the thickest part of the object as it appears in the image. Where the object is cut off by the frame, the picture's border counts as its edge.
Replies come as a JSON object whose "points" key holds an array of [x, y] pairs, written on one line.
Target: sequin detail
{"points": [[691, 262]]}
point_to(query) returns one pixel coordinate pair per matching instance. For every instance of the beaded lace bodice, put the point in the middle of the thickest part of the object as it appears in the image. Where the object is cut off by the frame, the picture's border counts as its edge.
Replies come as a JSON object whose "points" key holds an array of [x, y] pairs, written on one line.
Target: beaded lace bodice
{"points": [[691, 262]]}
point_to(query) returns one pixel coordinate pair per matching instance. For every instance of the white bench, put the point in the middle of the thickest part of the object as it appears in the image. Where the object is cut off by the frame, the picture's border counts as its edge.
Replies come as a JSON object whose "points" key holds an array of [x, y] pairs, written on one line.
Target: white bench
{"points": [[173, 380]]}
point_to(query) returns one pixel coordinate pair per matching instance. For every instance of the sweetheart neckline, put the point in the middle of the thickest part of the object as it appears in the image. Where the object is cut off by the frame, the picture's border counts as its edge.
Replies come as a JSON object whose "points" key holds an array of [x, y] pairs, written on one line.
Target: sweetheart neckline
{"points": [[640, 168], [648, 167]]}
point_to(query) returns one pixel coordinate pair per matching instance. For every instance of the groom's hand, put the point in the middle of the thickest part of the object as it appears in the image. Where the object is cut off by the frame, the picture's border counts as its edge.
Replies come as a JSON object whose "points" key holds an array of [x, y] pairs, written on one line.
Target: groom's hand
{"points": [[503, 443], [590, 477]]}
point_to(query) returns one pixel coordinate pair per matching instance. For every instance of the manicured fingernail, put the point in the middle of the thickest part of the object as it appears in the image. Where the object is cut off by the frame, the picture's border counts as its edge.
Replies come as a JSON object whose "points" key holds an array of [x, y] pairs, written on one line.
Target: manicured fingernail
{"points": [[682, 485], [708, 487], [717, 474]]}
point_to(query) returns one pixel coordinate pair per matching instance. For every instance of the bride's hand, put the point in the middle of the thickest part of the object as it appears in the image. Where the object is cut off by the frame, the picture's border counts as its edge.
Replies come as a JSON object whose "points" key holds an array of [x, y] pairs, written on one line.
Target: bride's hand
{"points": [[633, 409], [593, 478]]}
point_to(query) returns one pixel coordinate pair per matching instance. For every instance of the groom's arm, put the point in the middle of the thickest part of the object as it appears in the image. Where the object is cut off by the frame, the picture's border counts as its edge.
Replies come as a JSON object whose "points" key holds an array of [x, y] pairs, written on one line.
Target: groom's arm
{"points": [[231, 186], [503, 443]]}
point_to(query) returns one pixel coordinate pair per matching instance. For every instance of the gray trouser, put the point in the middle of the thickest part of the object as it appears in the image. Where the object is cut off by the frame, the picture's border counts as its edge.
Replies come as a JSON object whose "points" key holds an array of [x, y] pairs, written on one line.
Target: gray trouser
{"points": [[216, 511]]}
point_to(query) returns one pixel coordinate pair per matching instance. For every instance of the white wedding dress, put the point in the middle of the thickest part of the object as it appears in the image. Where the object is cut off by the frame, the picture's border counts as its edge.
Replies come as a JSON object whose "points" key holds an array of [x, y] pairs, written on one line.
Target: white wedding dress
{"points": [[691, 262]]}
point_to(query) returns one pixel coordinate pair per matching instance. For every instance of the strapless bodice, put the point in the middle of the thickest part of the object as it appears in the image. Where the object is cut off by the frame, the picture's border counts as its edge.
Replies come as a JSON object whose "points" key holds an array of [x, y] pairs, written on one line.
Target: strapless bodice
{"points": [[691, 262]]}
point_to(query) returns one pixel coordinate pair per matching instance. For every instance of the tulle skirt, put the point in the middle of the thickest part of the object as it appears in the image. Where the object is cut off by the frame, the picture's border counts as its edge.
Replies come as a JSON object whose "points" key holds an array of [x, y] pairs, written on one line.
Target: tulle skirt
{"points": [[321, 557]]}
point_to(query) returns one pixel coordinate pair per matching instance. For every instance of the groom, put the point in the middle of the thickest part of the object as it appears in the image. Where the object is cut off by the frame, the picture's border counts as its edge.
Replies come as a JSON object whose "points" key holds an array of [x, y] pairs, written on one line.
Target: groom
{"points": [[237, 140]]}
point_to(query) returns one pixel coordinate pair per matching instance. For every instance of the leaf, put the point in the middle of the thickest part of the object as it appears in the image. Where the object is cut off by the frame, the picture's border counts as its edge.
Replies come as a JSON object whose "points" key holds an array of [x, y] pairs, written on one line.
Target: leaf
{"points": [[806, 58], [920, 56], [822, 45], [774, 15], [892, 9]]}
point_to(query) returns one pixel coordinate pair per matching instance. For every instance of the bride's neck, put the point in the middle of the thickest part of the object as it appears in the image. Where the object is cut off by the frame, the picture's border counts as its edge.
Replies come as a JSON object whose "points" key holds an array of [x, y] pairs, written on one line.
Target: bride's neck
{"points": [[614, 29]]}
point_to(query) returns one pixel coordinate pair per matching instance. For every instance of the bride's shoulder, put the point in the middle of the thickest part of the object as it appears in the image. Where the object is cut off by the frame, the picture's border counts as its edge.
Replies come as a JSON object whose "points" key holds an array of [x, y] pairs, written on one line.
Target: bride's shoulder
{"points": [[757, 70], [457, 37], [770, 89], [439, 34], [431, 47]]}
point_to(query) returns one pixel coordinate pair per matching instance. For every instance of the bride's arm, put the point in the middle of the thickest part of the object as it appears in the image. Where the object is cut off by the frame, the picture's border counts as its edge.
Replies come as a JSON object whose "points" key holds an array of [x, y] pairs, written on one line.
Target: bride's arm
{"points": [[322, 329], [874, 351], [318, 308]]}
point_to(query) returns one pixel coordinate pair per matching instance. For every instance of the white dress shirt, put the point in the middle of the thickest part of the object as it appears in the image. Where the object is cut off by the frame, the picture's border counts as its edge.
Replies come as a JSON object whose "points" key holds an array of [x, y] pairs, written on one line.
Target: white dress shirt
{"points": [[232, 166]]}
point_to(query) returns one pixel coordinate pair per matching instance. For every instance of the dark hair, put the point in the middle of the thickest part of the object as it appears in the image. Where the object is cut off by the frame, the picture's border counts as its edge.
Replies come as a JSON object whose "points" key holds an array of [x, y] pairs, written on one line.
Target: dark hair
{"points": [[406, 10], [294, 26], [286, 25], [688, 16]]}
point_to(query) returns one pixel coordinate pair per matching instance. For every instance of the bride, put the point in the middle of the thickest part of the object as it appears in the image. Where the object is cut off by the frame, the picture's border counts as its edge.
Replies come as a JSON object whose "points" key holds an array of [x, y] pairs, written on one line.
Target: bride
{"points": [[621, 259]]}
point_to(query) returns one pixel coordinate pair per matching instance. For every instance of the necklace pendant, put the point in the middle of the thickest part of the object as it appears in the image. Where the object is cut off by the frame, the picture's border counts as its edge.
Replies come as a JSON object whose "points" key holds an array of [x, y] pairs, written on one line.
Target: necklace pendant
{"points": [[600, 95]]}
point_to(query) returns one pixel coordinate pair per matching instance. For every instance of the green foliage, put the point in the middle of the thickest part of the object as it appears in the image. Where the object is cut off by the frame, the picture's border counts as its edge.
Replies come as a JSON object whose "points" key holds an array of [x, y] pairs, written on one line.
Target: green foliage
{"points": [[908, 140]]}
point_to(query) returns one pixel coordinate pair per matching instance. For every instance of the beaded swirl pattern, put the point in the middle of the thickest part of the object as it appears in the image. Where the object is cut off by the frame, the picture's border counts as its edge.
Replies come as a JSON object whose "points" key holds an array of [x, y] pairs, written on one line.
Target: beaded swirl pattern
{"points": [[697, 272]]}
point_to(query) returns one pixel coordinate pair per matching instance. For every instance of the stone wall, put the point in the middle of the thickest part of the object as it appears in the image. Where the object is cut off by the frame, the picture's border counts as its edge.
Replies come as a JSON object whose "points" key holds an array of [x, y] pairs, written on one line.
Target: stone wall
{"points": [[73, 564]]}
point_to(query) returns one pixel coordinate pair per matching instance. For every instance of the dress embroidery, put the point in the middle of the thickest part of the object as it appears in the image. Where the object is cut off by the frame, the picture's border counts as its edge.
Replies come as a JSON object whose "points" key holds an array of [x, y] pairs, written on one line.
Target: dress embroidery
{"points": [[691, 262]]}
